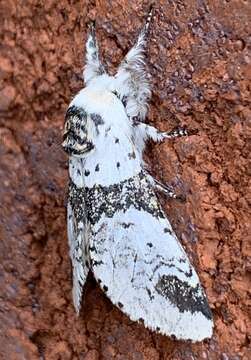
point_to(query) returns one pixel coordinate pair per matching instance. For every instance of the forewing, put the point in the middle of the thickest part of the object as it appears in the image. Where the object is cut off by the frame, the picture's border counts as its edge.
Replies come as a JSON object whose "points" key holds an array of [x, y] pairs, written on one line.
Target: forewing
{"points": [[78, 229], [143, 269]]}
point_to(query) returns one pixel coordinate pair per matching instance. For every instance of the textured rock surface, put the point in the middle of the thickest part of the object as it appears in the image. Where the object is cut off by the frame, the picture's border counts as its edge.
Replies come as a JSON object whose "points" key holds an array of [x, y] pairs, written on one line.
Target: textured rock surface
{"points": [[199, 58]]}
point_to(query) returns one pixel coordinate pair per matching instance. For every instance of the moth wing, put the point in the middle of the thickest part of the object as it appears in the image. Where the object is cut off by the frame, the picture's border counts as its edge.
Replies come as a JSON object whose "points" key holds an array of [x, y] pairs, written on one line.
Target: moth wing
{"points": [[78, 232], [144, 270]]}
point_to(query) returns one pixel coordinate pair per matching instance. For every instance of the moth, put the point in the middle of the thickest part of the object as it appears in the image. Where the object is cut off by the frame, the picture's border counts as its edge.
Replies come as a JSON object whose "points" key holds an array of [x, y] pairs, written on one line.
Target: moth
{"points": [[116, 226]]}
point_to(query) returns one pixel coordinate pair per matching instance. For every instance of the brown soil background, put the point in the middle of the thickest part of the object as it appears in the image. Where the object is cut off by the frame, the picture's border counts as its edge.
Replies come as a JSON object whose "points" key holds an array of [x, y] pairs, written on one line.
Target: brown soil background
{"points": [[199, 59]]}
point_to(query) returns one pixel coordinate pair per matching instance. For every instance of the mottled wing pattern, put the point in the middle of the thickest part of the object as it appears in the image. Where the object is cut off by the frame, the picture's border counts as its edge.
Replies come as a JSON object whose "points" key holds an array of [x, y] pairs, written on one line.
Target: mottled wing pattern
{"points": [[78, 229], [139, 263]]}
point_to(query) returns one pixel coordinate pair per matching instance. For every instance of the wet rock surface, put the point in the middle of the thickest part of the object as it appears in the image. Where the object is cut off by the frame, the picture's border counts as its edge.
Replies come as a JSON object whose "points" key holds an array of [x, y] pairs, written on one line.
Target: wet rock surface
{"points": [[199, 59]]}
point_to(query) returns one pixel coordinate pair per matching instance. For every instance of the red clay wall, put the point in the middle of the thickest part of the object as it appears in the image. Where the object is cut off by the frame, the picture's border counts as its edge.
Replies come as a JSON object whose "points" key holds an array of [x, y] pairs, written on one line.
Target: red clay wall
{"points": [[199, 58]]}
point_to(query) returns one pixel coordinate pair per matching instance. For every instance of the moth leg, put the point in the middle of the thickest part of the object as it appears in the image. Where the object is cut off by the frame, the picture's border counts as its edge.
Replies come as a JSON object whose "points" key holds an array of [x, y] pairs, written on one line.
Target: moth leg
{"points": [[164, 188], [93, 65], [178, 132], [148, 132], [168, 191], [132, 80], [154, 134]]}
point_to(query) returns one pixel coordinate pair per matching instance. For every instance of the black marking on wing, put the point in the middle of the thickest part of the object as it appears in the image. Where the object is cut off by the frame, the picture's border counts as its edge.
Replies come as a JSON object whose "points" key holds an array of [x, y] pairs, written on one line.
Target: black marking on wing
{"points": [[97, 119], [93, 249], [120, 305], [132, 155], [136, 121], [96, 263], [182, 295], [136, 192], [76, 198], [151, 297], [190, 273], [169, 231], [124, 100], [126, 225]]}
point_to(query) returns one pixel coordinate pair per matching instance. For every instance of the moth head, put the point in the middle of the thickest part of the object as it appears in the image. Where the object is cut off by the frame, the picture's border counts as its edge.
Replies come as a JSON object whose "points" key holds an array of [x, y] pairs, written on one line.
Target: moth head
{"points": [[75, 140]]}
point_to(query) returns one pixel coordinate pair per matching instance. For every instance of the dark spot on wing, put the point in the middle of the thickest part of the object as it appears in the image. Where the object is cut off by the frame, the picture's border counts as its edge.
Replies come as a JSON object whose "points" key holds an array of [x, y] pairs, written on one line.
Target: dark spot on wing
{"points": [[97, 167], [182, 295], [151, 297], [135, 121], [132, 155], [190, 273], [118, 164], [120, 305], [97, 119], [115, 93], [77, 201], [97, 262], [141, 320], [93, 249], [87, 172], [166, 230], [150, 245], [78, 172], [116, 140], [124, 100], [105, 288], [126, 225]]}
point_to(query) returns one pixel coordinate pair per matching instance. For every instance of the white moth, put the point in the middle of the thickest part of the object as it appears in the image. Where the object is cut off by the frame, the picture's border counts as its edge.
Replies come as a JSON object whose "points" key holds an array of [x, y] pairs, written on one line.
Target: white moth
{"points": [[116, 226]]}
